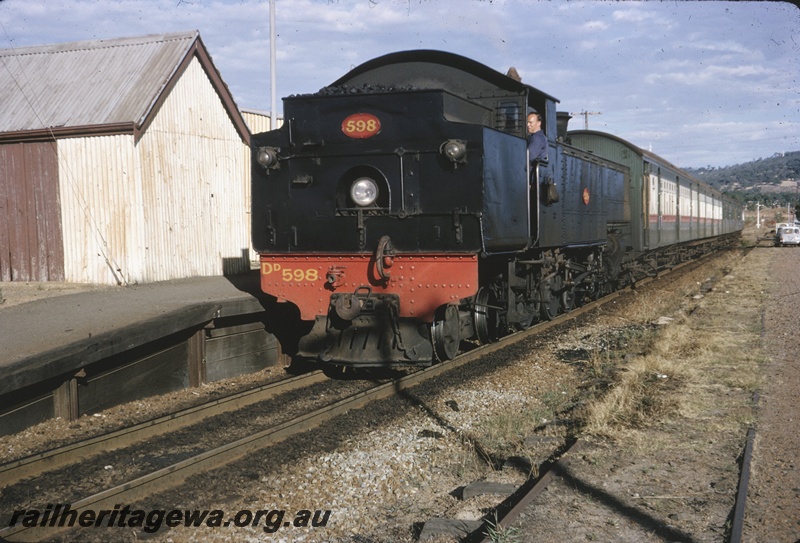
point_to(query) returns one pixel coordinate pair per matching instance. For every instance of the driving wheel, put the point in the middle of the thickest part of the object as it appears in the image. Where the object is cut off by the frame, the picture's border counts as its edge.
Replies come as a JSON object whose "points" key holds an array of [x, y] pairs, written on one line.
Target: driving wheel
{"points": [[528, 311], [485, 316], [568, 299], [550, 296]]}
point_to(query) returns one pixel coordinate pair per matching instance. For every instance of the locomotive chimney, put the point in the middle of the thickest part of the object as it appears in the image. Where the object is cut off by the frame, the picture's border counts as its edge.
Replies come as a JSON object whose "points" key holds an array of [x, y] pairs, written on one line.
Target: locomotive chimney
{"points": [[562, 120], [513, 74]]}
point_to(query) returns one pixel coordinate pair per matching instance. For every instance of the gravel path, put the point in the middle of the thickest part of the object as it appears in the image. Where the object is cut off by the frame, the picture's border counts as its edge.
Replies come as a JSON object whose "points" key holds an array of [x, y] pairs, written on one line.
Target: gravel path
{"points": [[773, 511]]}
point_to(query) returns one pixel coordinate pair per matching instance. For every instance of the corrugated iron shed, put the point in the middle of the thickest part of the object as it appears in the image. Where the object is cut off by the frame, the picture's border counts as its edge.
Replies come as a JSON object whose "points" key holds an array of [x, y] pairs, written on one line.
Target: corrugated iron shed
{"points": [[99, 86], [147, 157], [260, 121]]}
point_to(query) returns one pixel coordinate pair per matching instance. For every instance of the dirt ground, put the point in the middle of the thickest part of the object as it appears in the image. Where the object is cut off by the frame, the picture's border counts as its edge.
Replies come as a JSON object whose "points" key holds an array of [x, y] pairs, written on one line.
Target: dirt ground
{"points": [[773, 512], [672, 475], [675, 479], [663, 483]]}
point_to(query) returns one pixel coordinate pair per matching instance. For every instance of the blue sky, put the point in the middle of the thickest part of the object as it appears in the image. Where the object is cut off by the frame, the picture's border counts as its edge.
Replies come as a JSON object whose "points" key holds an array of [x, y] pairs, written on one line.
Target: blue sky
{"points": [[700, 83]]}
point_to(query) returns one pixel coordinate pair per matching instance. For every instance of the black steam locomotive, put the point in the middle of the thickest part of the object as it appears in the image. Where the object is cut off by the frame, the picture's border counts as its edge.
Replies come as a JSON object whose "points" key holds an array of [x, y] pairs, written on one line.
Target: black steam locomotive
{"points": [[398, 211]]}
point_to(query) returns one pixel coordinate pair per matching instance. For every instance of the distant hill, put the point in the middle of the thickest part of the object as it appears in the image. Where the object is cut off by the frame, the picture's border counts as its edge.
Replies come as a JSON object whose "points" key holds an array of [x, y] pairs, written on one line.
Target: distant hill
{"points": [[772, 180]]}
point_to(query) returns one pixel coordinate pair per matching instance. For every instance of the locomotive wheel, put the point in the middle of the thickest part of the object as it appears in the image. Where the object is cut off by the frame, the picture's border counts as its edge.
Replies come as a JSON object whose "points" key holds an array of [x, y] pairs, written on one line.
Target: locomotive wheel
{"points": [[550, 295], [485, 316], [600, 289], [445, 332], [530, 311], [568, 299]]}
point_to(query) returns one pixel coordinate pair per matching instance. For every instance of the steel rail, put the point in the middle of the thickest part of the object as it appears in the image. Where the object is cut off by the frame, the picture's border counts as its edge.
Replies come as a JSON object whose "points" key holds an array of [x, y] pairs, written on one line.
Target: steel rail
{"points": [[737, 527], [529, 492], [36, 464]]}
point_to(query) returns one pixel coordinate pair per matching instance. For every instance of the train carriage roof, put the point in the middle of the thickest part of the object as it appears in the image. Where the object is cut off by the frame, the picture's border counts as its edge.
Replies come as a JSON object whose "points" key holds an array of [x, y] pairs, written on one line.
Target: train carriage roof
{"points": [[429, 69], [636, 149], [644, 154]]}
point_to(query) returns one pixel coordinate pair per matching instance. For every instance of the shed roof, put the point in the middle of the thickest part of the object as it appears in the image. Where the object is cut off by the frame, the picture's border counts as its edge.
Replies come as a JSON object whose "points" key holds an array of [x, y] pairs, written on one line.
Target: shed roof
{"points": [[98, 86]]}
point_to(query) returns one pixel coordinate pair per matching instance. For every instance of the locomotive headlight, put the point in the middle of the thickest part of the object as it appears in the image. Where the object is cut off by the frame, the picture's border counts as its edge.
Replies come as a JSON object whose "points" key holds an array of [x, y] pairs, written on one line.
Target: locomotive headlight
{"points": [[267, 156], [454, 150], [364, 191]]}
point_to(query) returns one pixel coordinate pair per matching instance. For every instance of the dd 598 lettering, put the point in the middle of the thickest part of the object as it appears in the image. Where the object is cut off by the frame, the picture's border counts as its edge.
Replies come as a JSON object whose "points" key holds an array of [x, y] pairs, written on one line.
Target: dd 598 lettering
{"points": [[290, 274]]}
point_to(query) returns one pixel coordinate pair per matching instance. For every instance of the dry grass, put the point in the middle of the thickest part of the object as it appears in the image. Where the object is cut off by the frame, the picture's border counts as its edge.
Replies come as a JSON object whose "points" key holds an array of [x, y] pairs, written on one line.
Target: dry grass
{"points": [[468, 465], [709, 350], [666, 447], [499, 534], [640, 395]]}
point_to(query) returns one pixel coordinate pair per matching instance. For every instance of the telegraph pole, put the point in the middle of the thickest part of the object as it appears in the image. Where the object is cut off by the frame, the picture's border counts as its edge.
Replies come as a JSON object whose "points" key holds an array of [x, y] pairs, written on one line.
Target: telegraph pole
{"points": [[586, 117]]}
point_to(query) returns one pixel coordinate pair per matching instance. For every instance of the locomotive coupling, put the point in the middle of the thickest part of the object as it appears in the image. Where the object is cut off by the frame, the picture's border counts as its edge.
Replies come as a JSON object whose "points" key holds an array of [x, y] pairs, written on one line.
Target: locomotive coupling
{"points": [[347, 306]]}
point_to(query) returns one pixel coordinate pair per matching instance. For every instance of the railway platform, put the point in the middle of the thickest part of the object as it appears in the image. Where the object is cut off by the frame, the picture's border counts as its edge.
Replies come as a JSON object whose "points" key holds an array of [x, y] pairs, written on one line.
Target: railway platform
{"points": [[77, 353]]}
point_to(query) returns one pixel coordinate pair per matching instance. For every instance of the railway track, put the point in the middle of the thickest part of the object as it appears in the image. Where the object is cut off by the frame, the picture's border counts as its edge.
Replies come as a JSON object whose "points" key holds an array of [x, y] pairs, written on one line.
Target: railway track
{"points": [[528, 492], [510, 510], [37, 464], [178, 472]]}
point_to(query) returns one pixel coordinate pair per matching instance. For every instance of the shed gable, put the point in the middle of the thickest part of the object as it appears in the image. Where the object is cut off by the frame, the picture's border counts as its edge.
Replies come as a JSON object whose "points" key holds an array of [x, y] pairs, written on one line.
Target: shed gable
{"points": [[172, 204], [147, 176]]}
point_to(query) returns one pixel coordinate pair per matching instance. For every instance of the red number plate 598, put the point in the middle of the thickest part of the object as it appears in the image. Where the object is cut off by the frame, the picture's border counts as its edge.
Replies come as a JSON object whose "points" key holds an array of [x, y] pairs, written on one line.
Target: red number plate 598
{"points": [[361, 125]]}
